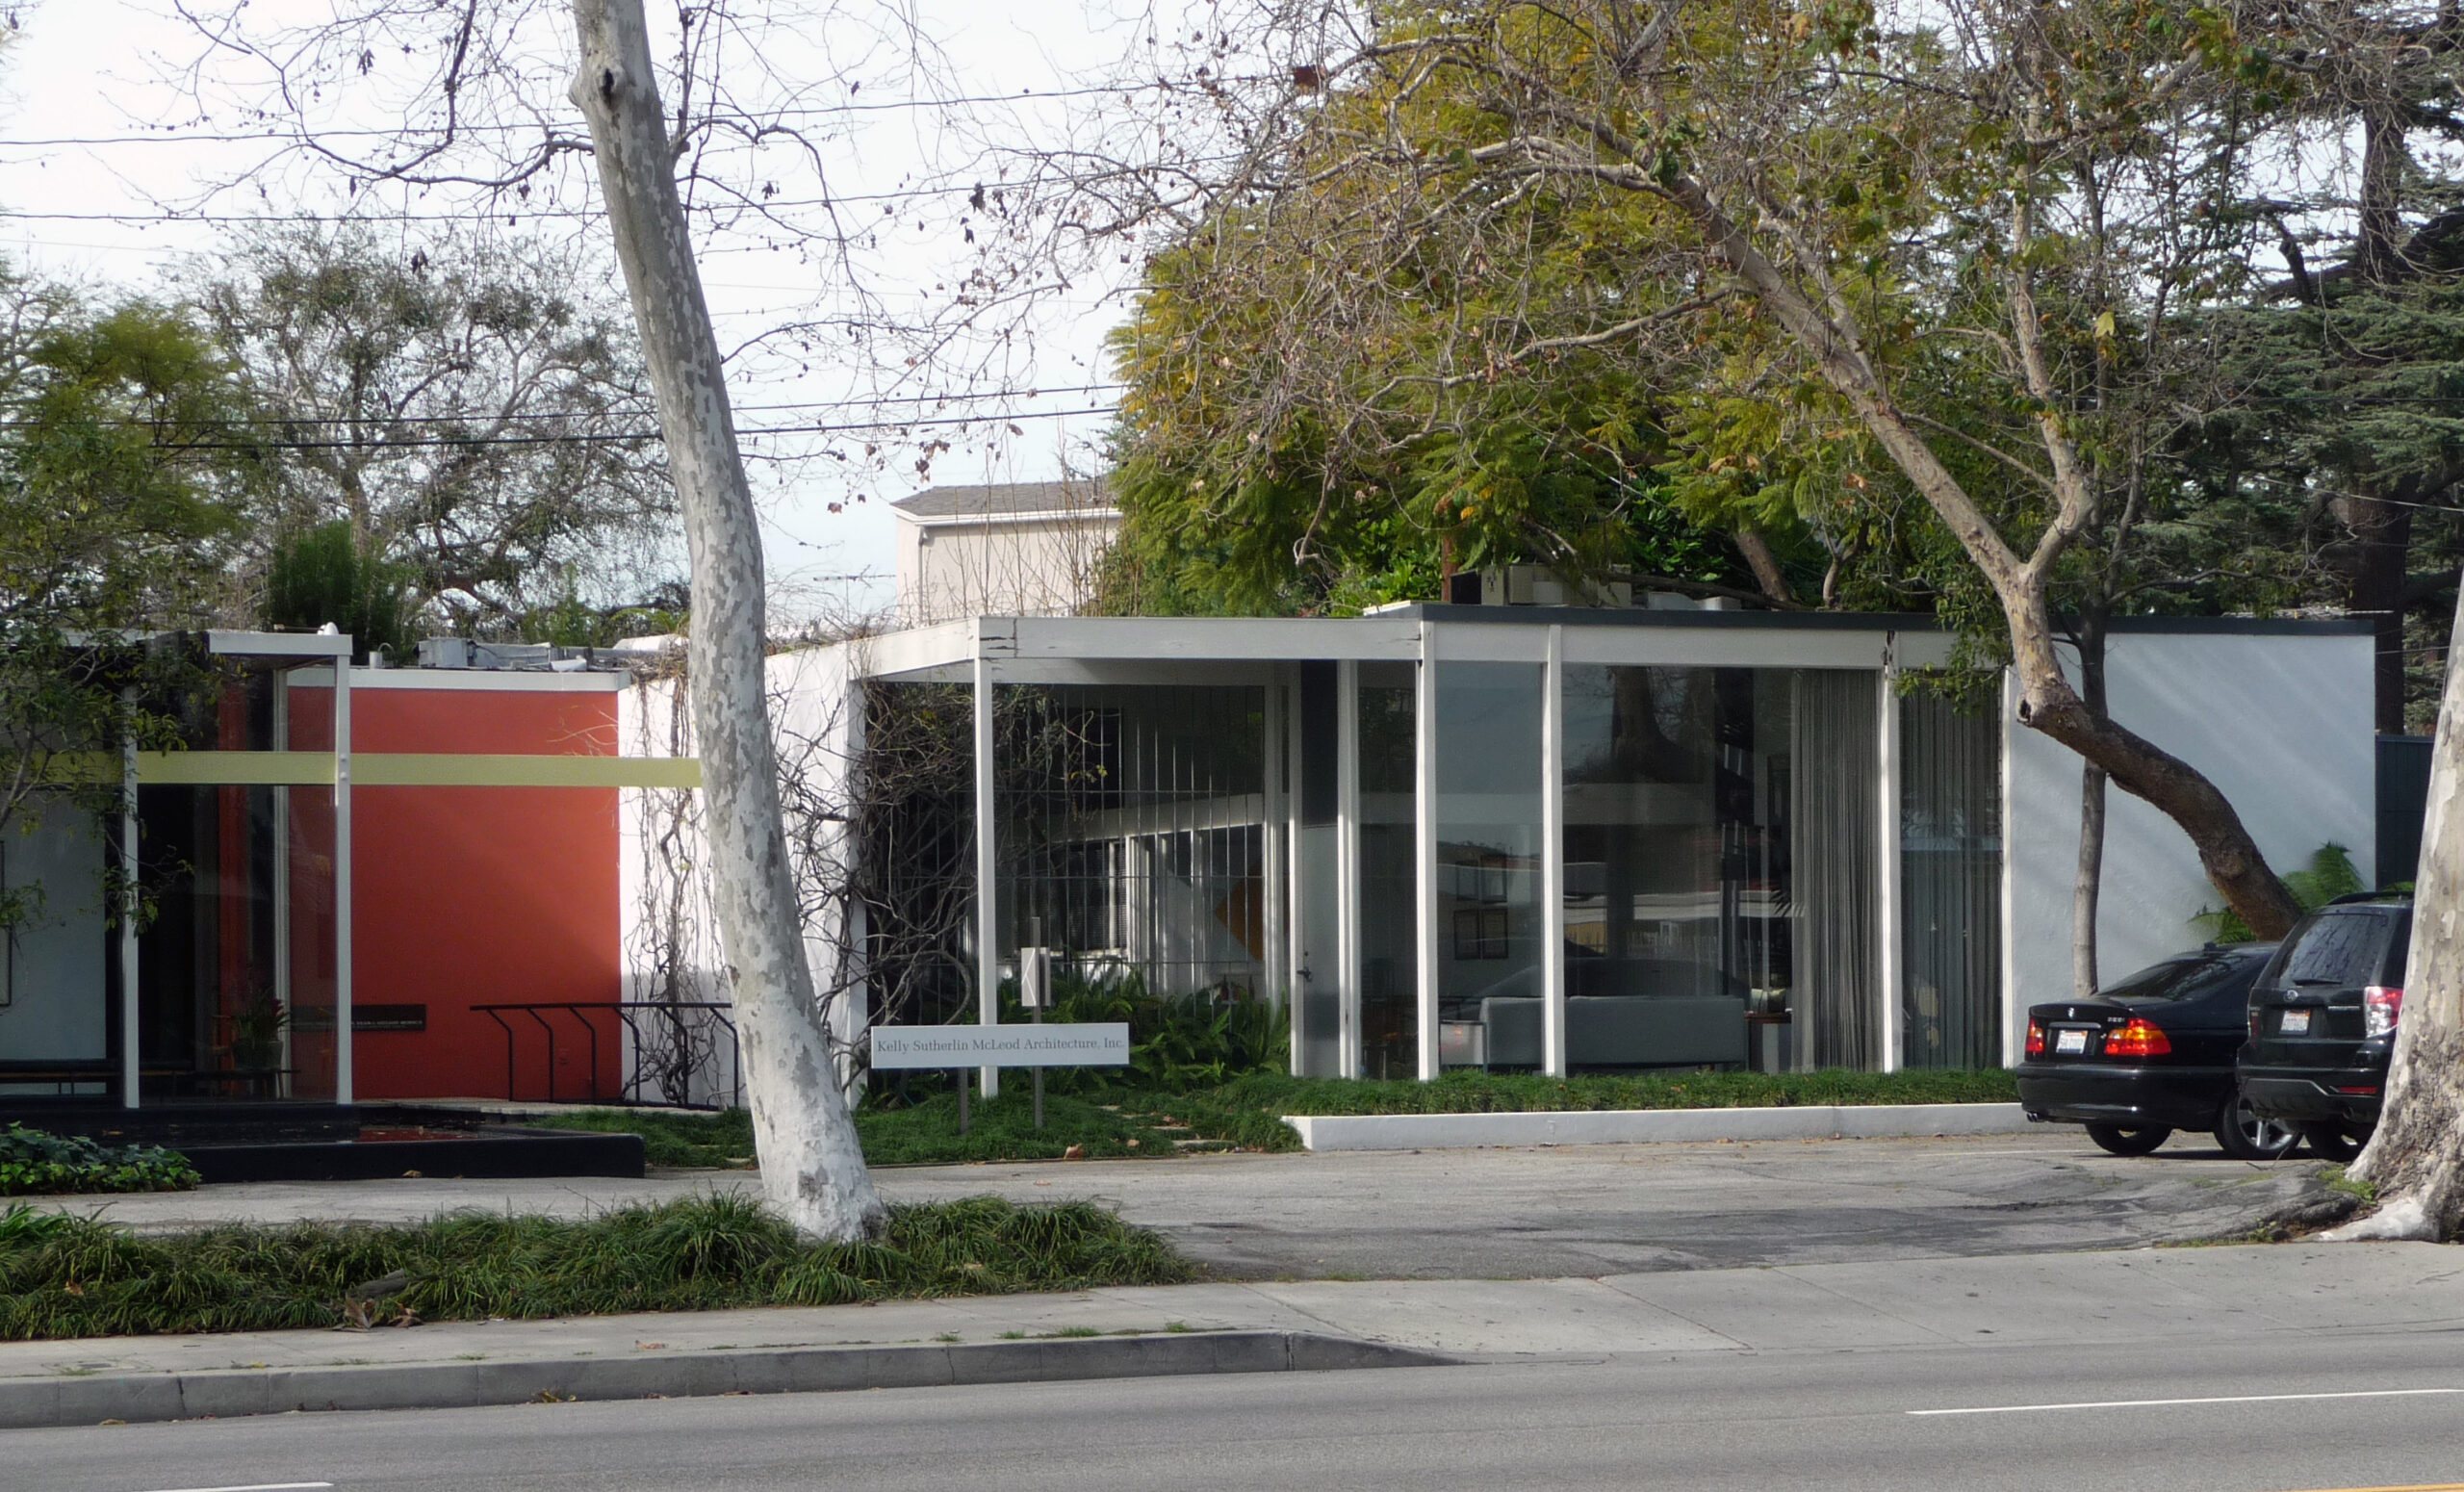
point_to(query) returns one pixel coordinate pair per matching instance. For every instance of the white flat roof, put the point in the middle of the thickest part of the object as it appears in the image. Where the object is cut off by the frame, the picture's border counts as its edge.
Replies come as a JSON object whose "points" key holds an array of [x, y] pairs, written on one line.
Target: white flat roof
{"points": [[1229, 650]]}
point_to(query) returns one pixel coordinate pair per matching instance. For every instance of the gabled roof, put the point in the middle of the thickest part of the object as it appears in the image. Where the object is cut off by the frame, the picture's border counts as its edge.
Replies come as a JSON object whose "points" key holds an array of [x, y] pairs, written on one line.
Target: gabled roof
{"points": [[998, 500]]}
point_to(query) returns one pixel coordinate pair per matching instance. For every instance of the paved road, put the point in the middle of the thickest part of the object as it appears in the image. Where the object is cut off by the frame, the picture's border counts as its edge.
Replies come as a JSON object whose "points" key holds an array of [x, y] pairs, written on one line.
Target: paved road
{"points": [[1576, 1210], [1749, 1421]]}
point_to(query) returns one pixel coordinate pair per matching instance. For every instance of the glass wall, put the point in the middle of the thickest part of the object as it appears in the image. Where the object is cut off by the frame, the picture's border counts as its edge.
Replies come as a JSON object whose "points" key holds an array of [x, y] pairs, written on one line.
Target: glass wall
{"points": [[1720, 867], [1950, 862], [1132, 824], [1489, 926], [1389, 921]]}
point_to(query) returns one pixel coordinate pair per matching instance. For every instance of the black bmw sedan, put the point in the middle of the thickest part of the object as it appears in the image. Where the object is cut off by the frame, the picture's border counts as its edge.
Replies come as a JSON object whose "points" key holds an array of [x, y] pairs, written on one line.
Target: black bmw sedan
{"points": [[2151, 1054]]}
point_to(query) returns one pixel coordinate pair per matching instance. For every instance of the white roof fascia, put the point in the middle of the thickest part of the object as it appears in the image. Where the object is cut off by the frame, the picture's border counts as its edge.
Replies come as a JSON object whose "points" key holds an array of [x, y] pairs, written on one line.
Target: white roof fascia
{"points": [[501, 680], [1097, 650], [1708, 647], [1265, 639], [995, 520], [292, 645]]}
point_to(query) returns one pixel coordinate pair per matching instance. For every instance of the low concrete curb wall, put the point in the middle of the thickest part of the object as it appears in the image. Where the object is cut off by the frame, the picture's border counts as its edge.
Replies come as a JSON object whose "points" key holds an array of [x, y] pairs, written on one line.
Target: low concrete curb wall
{"points": [[1623, 1127], [27, 1403]]}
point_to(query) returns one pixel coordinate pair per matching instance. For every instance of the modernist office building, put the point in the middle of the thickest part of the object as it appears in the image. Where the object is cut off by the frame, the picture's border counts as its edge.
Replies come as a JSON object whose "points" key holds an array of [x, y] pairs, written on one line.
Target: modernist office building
{"points": [[1557, 839]]}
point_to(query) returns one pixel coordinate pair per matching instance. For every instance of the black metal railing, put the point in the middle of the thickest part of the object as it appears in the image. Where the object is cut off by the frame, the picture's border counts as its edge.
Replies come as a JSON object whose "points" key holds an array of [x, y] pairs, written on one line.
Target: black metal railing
{"points": [[661, 1070]]}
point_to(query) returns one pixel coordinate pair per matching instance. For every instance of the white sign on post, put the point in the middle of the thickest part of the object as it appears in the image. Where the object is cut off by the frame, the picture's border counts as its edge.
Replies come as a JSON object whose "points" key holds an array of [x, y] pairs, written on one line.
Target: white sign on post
{"points": [[1094, 1045]]}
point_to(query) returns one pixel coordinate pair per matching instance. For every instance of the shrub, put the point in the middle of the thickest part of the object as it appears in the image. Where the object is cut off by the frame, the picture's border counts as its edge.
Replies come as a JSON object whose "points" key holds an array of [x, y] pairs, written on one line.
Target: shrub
{"points": [[63, 1276], [33, 1162]]}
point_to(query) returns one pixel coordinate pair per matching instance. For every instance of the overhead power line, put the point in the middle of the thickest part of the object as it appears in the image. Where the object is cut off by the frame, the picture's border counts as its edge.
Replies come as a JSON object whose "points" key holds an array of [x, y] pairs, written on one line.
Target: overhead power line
{"points": [[628, 437], [187, 136]]}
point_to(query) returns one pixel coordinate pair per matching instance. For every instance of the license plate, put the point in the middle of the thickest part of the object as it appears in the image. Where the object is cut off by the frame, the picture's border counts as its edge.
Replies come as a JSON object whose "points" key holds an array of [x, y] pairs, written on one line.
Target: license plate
{"points": [[2297, 1022], [2070, 1041]]}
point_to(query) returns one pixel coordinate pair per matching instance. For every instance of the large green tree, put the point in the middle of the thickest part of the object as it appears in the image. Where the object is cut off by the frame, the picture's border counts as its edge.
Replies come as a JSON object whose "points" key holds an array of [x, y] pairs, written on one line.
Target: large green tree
{"points": [[111, 534], [1871, 280], [475, 411]]}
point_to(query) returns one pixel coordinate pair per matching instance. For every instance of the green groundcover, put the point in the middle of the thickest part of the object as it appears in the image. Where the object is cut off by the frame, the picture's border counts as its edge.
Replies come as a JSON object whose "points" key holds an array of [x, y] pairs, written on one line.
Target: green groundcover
{"points": [[1100, 1122]]}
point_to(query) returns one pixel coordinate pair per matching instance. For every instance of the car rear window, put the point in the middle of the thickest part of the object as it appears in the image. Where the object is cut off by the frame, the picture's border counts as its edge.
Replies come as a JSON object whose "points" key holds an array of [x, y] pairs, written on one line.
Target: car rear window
{"points": [[2336, 949], [2187, 979]]}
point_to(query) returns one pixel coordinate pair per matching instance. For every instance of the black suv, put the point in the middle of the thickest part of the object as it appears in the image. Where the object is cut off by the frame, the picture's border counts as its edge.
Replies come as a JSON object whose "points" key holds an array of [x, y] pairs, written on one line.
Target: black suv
{"points": [[2322, 1021]]}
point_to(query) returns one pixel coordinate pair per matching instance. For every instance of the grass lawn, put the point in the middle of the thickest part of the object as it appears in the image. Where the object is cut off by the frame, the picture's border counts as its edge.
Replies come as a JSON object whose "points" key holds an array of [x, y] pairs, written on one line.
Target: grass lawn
{"points": [[66, 1276], [1246, 1112]]}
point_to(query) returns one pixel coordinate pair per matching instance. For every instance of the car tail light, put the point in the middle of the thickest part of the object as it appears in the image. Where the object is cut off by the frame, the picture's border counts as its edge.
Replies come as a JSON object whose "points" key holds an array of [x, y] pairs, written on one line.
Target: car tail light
{"points": [[2035, 1040], [2136, 1038], [2379, 1008]]}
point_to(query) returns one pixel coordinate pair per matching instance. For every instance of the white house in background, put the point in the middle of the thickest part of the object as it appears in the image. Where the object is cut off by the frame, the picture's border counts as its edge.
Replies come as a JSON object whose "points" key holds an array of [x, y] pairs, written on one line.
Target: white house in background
{"points": [[1011, 549], [1551, 837]]}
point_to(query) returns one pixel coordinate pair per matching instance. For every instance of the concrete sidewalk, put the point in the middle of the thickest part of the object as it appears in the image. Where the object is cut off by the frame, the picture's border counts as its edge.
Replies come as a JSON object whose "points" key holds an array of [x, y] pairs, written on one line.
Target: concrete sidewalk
{"points": [[2230, 1295]]}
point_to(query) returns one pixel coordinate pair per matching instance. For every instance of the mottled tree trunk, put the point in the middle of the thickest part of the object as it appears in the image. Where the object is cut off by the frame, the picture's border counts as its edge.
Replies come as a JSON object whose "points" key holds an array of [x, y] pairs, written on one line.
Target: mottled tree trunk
{"points": [[2416, 1160], [812, 1166]]}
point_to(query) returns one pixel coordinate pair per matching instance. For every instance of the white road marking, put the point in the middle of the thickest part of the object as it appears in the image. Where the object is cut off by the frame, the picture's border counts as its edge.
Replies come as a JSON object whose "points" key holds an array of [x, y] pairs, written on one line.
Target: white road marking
{"points": [[255, 1486], [2158, 1403]]}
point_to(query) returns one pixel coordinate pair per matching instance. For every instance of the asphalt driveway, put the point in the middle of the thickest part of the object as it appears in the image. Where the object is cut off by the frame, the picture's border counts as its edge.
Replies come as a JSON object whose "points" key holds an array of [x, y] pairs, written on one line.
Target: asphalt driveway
{"points": [[1493, 1214]]}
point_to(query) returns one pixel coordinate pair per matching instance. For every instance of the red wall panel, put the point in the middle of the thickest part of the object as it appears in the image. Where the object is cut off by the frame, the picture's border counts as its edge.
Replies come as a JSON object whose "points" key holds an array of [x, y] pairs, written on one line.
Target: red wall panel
{"points": [[466, 896]]}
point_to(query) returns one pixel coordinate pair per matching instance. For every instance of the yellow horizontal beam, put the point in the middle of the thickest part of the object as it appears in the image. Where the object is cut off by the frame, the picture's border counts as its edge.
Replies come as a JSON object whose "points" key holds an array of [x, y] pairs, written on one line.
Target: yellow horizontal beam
{"points": [[381, 769], [408, 769], [234, 768]]}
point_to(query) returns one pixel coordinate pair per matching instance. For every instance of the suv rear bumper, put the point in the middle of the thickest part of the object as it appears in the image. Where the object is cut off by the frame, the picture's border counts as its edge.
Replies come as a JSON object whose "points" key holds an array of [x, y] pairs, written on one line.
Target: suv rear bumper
{"points": [[2312, 1097], [2129, 1097]]}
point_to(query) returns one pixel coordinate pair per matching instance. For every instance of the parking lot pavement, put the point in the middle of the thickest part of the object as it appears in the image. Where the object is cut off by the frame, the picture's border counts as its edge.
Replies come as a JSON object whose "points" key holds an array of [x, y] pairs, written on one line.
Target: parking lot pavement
{"points": [[1495, 1214]]}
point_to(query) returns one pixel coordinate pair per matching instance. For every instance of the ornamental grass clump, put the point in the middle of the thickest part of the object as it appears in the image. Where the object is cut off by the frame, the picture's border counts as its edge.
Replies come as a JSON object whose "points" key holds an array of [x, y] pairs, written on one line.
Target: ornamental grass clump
{"points": [[35, 1164], [65, 1276]]}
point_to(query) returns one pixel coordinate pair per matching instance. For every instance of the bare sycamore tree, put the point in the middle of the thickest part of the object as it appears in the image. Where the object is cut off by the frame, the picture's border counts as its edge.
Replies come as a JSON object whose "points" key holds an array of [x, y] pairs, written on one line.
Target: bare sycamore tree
{"points": [[477, 99], [2415, 1158], [1945, 249]]}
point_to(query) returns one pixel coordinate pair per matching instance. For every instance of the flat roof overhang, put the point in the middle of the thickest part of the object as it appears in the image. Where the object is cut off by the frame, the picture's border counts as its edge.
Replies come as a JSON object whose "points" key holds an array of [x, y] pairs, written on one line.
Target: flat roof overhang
{"points": [[1243, 650]]}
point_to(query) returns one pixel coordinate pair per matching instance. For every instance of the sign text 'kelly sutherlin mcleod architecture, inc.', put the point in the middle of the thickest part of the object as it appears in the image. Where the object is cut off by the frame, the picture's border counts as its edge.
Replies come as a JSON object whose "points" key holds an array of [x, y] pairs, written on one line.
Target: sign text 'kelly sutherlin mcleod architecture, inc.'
{"points": [[1095, 1044]]}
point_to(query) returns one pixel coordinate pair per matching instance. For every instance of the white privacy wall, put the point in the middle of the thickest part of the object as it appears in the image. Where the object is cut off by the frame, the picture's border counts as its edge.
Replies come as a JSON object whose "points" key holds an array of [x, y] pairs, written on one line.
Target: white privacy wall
{"points": [[2281, 722], [669, 936]]}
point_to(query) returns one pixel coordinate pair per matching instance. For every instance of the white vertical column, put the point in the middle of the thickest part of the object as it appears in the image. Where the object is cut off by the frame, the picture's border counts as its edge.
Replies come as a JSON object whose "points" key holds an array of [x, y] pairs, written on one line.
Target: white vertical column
{"points": [[343, 1075], [1297, 888], [1347, 863], [129, 907], [1272, 959], [987, 950], [1886, 892], [1424, 848], [1552, 857]]}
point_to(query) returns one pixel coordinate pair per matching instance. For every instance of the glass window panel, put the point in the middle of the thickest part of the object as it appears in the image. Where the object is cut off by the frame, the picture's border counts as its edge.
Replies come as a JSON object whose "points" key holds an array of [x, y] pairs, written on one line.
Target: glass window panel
{"points": [[1389, 920], [1488, 859], [1950, 873]]}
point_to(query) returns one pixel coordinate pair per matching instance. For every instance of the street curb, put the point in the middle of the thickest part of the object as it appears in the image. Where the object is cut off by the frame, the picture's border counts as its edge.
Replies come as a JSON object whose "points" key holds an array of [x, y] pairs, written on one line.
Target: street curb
{"points": [[139, 1397], [1628, 1126]]}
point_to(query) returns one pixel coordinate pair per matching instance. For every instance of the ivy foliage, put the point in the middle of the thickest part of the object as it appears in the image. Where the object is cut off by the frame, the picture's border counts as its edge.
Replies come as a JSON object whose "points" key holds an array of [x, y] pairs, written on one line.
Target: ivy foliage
{"points": [[33, 1163]]}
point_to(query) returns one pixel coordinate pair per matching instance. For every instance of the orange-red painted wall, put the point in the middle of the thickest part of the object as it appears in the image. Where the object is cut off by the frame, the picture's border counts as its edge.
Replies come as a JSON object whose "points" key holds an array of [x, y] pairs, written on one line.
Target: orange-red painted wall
{"points": [[467, 896]]}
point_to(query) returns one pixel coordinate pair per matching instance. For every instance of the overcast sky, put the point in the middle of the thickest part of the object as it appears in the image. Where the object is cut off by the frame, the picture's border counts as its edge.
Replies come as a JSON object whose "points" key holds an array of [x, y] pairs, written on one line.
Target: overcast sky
{"points": [[91, 70]]}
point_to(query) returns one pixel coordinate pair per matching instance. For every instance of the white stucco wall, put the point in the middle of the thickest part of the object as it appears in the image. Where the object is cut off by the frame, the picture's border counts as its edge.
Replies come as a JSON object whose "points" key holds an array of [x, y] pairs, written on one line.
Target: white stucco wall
{"points": [[669, 936], [2280, 722], [52, 1006], [1002, 566]]}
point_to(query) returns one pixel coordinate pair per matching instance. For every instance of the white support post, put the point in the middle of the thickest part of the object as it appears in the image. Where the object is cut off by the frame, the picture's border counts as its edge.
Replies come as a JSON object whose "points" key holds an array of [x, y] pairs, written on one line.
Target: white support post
{"points": [[1296, 888], [1347, 863], [1273, 961], [1425, 849], [1552, 857], [1887, 890], [344, 1086], [987, 949], [130, 897]]}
